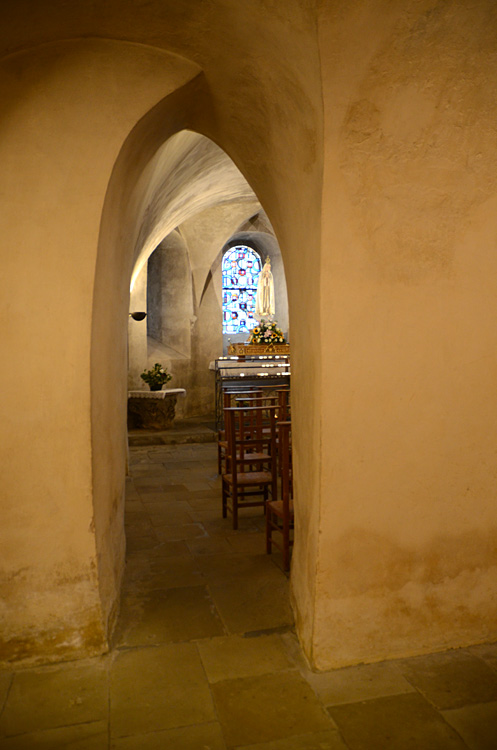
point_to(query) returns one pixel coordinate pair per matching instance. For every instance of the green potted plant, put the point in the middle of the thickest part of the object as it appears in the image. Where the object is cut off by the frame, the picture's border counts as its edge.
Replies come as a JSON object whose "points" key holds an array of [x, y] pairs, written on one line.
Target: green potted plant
{"points": [[156, 377]]}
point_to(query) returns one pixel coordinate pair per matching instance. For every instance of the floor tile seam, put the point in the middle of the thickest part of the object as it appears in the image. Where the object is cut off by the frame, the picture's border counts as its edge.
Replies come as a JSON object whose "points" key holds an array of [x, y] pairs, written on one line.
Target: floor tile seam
{"points": [[7, 693], [275, 630], [283, 670], [214, 705], [22, 667], [453, 729], [153, 489], [155, 590], [445, 711], [118, 650], [58, 726], [334, 730], [145, 733], [438, 711], [130, 586], [481, 658], [187, 554], [467, 704], [159, 525], [179, 525], [219, 613], [384, 697], [421, 692]]}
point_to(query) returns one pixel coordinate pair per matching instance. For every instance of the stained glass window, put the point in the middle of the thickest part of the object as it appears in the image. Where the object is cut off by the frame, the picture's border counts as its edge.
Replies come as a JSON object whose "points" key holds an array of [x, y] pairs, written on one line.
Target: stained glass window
{"points": [[241, 268]]}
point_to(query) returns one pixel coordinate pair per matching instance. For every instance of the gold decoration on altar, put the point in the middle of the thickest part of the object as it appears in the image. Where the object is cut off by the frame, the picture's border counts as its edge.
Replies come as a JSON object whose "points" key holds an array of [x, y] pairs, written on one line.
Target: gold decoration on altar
{"points": [[250, 350]]}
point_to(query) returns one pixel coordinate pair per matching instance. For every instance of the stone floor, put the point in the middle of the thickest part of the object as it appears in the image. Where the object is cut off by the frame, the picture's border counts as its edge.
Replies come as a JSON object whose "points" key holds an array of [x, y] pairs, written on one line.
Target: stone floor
{"points": [[205, 656]]}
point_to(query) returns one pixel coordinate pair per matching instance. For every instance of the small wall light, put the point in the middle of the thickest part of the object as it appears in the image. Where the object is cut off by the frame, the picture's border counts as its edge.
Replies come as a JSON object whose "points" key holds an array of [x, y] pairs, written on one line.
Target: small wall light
{"points": [[138, 315]]}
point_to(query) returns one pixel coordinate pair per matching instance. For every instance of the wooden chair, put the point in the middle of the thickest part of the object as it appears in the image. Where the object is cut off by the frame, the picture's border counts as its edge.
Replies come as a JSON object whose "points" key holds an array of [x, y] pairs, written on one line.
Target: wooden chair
{"points": [[284, 413], [251, 466], [229, 399], [252, 396], [279, 511]]}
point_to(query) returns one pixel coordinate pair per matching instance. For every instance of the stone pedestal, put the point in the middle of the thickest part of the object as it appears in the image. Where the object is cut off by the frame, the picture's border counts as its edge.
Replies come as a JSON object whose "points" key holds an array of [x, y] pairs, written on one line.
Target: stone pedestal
{"points": [[152, 410]]}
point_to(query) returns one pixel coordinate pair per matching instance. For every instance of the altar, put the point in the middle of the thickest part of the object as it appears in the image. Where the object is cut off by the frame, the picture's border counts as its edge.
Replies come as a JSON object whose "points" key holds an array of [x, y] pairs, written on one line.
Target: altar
{"points": [[251, 350], [153, 410], [244, 372]]}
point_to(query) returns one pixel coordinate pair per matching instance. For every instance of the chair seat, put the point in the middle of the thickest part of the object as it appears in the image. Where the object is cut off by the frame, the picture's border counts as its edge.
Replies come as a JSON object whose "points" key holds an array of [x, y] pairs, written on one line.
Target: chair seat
{"points": [[278, 508], [249, 478]]}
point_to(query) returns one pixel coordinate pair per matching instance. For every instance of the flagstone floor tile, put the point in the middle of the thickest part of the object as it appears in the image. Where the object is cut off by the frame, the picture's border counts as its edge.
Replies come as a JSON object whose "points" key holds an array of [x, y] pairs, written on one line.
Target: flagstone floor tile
{"points": [[255, 605], [153, 572], [56, 696], [267, 707], [397, 722], [354, 684], [326, 740], [165, 616], [158, 688], [230, 657], [5, 683], [476, 724], [487, 652], [197, 737], [183, 532], [87, 736], [451, 679]]}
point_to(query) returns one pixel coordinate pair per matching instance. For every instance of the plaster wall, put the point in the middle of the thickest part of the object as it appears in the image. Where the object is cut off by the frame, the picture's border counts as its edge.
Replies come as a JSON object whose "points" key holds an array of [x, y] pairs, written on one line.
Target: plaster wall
{"points": [[137, 332], [169, 294], [407, 557], [55, 541]]}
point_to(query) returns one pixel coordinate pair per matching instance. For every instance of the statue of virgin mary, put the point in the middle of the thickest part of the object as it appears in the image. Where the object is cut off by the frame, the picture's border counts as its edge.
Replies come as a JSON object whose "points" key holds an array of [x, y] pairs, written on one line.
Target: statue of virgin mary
{"points": [[264, 299]]}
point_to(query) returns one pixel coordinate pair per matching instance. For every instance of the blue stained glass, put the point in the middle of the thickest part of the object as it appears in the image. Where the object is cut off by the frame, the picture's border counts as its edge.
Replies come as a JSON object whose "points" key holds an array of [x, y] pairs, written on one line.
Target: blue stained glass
{"points": [[240, 270]]}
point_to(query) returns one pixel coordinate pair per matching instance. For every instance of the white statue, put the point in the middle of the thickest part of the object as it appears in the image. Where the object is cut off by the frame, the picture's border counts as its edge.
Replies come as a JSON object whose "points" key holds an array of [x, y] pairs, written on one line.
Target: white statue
{"points": [[264, 299]]}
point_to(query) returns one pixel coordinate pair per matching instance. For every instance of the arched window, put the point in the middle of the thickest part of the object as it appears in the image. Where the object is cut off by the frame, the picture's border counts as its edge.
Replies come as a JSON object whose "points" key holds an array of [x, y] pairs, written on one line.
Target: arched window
{"points": [[241, 268]]}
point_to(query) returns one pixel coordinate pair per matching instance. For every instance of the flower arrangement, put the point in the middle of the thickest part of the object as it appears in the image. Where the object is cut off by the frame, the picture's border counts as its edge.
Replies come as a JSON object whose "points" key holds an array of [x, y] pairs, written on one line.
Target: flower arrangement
{"points": [[266, 333], [156, 377]]}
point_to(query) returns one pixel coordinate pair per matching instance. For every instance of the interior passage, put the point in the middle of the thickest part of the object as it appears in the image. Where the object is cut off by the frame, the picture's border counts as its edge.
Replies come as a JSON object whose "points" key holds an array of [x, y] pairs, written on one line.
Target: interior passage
{"points": [[205, 654]]}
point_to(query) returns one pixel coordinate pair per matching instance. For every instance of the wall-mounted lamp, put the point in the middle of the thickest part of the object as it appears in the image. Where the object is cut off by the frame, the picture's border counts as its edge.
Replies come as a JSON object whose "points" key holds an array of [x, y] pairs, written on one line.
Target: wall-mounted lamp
{"points": [[138, 315]]}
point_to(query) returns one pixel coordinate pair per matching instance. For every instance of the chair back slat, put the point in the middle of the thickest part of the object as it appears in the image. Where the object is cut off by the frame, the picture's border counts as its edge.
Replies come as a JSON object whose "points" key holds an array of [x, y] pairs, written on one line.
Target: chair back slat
{"points": [[245, 435], [285, 463]]}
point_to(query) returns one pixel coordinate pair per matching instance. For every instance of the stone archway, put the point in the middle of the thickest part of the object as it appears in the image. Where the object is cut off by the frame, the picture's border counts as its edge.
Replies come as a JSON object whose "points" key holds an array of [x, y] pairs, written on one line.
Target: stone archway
{"points": [[197, 198], [146, 215], [74, 194]]}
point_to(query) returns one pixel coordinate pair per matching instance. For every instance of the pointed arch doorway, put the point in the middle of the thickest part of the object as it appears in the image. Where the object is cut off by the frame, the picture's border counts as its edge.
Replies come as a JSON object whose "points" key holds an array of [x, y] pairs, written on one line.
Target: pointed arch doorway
{"points": [[149, 199]]}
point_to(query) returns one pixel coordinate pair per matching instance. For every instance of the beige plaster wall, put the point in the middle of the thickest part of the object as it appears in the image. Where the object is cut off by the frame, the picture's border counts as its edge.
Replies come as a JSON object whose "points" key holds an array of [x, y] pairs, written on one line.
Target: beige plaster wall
{"points": [[57, 152], [407, 557]]}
